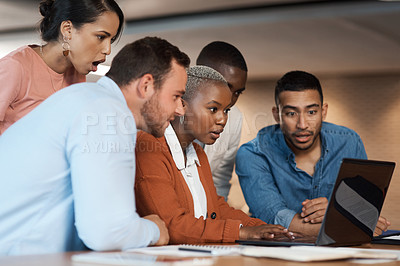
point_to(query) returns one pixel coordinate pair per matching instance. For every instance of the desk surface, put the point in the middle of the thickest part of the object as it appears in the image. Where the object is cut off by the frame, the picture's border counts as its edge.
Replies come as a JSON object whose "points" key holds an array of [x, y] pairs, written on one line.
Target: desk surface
{"points": [[64, 259]]}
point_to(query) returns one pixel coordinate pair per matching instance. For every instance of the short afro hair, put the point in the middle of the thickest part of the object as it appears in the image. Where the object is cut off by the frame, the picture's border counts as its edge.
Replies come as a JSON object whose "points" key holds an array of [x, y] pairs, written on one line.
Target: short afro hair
{"points": [[199, 76]]}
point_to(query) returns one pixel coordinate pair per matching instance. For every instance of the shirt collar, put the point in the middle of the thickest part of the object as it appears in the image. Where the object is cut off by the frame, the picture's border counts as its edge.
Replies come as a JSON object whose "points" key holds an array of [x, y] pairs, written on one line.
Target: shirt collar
{"points": [[176, 150], [281, 142]]}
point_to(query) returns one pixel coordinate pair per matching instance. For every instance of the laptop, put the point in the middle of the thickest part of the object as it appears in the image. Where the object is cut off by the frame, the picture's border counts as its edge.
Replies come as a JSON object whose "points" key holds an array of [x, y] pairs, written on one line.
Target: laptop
{"points": [[353, 209]]}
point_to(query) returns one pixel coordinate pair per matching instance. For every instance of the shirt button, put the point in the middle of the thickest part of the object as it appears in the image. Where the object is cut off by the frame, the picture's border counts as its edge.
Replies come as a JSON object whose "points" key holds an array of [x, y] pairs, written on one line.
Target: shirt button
{"points": [[213, 215]]}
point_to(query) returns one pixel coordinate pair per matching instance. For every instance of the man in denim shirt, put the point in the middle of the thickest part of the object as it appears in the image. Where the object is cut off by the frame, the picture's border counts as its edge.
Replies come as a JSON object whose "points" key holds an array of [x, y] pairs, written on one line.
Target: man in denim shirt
{"points": [[288, 171]]}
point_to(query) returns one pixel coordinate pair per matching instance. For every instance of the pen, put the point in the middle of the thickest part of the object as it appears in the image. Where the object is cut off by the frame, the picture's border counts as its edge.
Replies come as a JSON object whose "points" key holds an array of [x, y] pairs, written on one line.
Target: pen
{"points": [[195, 250]]}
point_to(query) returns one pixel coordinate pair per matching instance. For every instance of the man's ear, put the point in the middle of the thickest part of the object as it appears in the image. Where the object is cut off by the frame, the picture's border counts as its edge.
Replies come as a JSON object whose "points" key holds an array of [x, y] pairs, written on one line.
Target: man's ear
{"points": [[324, 111], [275, 113], [66, 29], [145, 88]]}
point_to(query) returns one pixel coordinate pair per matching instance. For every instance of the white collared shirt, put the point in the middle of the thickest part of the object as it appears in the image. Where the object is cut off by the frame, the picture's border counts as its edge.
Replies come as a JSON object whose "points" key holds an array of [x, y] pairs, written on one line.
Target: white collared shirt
{"points": [[189, 172]]}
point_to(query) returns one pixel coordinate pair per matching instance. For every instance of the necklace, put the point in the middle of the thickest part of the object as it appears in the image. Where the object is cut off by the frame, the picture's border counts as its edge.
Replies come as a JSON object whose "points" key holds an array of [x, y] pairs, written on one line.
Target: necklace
{"points": [[42, 56]]}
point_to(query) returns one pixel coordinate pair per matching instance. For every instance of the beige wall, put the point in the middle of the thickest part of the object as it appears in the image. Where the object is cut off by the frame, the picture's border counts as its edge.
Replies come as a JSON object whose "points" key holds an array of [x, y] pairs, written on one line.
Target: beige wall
{"points": [[369, 104]]}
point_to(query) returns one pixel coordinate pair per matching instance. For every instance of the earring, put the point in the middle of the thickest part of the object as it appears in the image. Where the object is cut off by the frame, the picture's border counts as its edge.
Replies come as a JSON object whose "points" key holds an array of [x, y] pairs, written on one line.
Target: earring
{"points": [[181, 119], [65, 46]]}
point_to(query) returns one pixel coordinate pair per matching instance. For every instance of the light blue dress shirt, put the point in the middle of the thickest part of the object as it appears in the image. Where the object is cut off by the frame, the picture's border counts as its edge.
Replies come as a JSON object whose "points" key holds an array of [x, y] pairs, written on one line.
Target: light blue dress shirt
{"points": [[67, 172], [274, 187]]}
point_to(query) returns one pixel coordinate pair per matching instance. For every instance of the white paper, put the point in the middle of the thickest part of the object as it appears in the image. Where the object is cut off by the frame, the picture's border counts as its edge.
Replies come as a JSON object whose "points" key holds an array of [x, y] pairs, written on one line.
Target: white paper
{"points": [[303, 253], [173, 250]]}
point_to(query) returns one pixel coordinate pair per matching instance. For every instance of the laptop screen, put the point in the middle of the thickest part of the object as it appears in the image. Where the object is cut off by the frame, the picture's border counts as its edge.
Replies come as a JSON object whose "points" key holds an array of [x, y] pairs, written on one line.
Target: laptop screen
{"points": [[356, 202]]}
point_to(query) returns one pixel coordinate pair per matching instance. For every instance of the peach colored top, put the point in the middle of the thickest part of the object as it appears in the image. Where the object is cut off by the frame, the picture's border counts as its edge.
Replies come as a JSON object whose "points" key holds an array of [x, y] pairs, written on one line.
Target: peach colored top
{"points": [[26, 81]]}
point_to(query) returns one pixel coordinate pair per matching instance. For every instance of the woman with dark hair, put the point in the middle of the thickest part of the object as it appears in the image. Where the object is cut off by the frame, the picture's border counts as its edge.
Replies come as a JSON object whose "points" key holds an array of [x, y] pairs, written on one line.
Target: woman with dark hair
{"points": [[78, 35], [173, 176]]}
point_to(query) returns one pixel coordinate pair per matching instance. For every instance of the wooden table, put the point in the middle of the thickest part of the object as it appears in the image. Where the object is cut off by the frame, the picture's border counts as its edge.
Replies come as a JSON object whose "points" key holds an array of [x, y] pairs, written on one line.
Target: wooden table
{"points": [[64, 259]]}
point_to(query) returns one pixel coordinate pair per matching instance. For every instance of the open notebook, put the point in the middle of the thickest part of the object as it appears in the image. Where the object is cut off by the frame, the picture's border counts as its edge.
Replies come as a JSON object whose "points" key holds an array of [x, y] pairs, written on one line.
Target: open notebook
{"points": [[353, 209]]}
